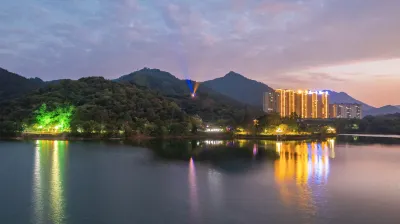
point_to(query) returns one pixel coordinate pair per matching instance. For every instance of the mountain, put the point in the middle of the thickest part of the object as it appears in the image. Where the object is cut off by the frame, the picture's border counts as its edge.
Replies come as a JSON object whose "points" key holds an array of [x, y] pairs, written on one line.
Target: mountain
{"points": [[157, 80], [210, 105], [13, 85], [342, 97], [249, 91], [389, 109], [239, 88]]}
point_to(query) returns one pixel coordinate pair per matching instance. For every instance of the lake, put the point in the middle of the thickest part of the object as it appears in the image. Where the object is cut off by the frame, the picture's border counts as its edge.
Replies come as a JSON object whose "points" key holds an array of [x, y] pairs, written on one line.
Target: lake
{"points": [[345, 180]]}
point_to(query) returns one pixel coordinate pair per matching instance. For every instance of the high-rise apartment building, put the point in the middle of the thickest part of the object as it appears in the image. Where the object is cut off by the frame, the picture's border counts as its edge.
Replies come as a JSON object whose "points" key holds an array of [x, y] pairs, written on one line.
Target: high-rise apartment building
{"points": [[269, 104], [345, 110], [305, 103]]}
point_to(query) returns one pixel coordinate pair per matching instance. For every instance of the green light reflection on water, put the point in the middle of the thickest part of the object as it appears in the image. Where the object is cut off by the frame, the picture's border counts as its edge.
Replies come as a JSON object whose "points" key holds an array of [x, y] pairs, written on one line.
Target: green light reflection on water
{"points": [[48, 181]]}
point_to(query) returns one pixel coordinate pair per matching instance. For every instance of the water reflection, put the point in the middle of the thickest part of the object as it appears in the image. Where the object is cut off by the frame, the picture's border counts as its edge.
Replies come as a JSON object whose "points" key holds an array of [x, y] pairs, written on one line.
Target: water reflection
{"points": [[213, 142], [363, 140], [38, 186], [255, 149], [215, 186], [193, 189], [299, 165], [49, 181]]}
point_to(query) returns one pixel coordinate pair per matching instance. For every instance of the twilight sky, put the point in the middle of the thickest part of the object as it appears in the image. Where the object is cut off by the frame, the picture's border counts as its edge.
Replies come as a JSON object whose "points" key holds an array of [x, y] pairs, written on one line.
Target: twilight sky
{"points": [[343, 45]]}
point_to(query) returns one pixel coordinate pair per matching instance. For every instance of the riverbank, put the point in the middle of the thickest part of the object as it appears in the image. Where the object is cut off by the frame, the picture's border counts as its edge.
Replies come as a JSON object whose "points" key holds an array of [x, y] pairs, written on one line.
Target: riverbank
{"points": [[287, 137], [371, 135], [202, 136]]}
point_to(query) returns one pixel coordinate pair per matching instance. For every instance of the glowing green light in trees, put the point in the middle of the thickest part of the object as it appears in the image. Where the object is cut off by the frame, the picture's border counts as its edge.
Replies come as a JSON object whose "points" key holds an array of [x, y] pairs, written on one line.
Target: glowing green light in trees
{"points": [[56, 121]]}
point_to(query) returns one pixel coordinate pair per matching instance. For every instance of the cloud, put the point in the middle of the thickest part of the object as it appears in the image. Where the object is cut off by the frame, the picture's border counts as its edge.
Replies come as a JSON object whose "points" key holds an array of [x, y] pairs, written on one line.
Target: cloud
{"points": [[302, 80], [325, 77], [262, 39], [276, 7]]}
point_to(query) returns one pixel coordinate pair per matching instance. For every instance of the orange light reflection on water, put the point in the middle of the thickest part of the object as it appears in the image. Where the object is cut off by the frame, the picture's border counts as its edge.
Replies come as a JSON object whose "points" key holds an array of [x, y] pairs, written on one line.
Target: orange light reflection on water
{"points": [[299, 164]]}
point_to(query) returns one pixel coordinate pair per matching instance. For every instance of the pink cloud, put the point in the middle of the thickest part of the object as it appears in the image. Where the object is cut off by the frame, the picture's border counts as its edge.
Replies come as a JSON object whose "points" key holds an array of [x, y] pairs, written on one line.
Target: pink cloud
{"points": [[277, 7]]}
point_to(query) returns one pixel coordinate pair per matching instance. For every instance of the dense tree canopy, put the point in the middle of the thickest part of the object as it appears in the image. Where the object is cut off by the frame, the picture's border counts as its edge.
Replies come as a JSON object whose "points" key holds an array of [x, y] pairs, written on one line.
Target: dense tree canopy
{"points": [[100, 107], [384, 124], [53, 121]]}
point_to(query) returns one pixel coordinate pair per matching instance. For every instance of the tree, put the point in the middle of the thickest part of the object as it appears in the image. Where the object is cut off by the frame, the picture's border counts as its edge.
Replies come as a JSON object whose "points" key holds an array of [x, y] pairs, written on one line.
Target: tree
{"points": [[57, 120], [283, 129], [101, 107], [274, 119], [294, 116]]}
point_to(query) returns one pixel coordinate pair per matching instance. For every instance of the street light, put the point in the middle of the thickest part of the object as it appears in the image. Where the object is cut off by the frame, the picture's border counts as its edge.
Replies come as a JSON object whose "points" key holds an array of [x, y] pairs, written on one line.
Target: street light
{"points": [[278, 131], [331, 130], [255, 122]]}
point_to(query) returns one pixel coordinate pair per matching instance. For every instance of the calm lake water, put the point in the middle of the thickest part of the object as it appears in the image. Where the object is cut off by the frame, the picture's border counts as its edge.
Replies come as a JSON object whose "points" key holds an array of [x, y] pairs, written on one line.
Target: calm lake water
{"points": [[349, 180]]}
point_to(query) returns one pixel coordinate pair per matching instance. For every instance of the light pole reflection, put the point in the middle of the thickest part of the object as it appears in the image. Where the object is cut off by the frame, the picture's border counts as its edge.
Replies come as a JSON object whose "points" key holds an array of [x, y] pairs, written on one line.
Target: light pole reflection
{"points": [[57, 182], [38, 201], [332, 147], [193, 189], [255, 149], [48, 182], [215, 186]]}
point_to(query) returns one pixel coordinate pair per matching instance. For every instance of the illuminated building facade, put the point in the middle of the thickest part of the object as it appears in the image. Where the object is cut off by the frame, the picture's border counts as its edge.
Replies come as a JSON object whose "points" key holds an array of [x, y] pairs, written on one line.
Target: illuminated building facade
{"points": [[345, 110], [305, 103]]}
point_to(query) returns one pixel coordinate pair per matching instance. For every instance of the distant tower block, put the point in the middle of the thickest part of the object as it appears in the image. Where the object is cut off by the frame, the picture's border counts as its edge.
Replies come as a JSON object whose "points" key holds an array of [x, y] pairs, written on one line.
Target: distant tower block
{"points": [[269, 102], [345, 110]]}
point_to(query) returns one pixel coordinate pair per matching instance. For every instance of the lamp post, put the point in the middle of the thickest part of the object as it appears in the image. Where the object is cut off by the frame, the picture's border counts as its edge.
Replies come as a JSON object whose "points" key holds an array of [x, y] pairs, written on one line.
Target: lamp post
{"points": [[255, 121], [331, 130], [278, 132]]}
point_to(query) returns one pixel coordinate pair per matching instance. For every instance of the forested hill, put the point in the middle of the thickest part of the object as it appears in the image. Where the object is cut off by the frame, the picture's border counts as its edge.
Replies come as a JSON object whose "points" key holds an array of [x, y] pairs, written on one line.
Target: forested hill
{"points": [[13, 85], [169, 85], [209, 104], [240, 88], [100, 106], [157, 80]]}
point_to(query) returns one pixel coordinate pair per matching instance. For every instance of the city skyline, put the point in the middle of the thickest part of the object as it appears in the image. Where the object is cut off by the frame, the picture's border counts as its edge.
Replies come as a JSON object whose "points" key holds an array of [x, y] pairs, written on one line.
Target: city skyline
{"points": [[350, 46]]}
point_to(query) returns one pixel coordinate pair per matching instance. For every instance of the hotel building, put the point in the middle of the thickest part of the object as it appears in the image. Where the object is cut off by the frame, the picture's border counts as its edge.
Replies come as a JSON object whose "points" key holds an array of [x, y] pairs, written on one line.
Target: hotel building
{"points": [[305, 103], [345, 110]]}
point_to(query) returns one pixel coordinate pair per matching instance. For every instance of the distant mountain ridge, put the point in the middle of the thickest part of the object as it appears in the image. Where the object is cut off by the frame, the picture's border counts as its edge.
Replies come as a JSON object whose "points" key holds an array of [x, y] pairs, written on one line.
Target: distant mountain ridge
{"points": [[246, 90], [169, 85], [388, 109], [239, 88], [13, 85], [250, 91], [232, 89], [208, 103], [342, 97]]}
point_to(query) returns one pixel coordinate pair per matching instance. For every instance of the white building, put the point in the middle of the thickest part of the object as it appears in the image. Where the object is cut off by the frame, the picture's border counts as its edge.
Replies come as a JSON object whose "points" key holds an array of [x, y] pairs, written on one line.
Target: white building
{"points": [[345, 110]]}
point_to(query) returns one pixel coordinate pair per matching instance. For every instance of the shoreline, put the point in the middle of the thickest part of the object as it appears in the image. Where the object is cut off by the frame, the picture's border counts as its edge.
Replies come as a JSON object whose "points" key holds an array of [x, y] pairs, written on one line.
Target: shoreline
{"points": [[372, 135], [188, 137], [287, 137]]}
